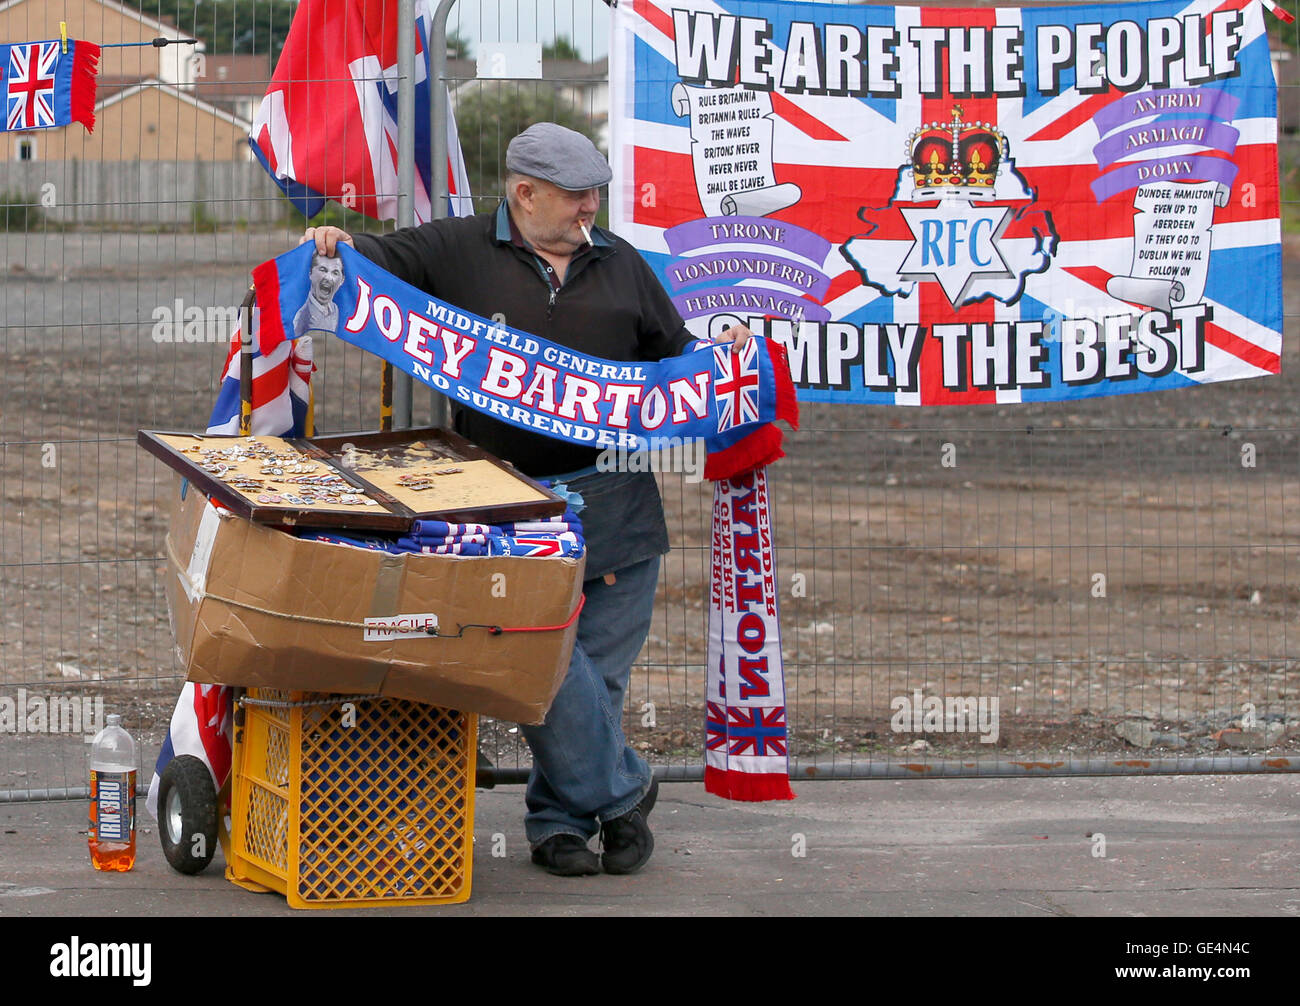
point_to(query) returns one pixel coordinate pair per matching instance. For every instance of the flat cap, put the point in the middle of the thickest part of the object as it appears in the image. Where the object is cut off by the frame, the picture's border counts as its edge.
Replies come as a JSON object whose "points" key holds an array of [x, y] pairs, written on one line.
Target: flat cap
{"points": [[561, 156]]}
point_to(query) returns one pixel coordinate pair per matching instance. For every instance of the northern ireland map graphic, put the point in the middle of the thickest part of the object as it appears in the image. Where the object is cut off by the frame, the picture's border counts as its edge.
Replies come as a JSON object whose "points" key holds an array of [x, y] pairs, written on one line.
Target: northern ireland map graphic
{"points": [[961, 216]]}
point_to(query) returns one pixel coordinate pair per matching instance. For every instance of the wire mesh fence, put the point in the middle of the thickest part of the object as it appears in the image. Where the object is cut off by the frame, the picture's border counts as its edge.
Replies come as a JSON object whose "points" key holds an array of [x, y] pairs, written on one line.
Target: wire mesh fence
{"points": [[1105, 585]]}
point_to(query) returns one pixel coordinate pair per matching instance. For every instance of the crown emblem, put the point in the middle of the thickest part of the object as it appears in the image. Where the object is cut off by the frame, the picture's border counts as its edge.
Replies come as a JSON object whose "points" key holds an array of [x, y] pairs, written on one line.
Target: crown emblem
{"points": [[959, 157]]}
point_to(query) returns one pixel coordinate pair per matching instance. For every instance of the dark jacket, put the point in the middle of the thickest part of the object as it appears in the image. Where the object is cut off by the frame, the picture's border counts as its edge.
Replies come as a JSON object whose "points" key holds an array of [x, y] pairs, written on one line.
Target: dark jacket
{"points": [[610, 305]]}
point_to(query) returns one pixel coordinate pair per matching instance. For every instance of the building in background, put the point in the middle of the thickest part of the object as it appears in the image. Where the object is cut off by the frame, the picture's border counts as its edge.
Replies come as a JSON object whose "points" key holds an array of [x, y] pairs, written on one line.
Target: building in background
{"points": [[234, 82]]}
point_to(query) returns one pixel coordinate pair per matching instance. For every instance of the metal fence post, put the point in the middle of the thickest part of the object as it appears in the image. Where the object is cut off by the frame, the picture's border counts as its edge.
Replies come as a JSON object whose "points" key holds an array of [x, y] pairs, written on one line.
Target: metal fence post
{"points": [[402, 383], [438, 195]]}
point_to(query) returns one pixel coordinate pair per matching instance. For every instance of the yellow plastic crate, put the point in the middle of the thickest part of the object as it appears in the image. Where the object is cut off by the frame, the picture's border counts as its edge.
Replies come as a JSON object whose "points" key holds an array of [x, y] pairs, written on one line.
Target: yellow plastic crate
{"points": [[367, 802]]}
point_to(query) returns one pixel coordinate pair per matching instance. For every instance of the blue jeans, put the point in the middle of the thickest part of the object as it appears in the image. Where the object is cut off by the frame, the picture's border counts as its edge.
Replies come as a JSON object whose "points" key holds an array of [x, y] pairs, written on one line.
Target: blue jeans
{"points": [[583, 770]]}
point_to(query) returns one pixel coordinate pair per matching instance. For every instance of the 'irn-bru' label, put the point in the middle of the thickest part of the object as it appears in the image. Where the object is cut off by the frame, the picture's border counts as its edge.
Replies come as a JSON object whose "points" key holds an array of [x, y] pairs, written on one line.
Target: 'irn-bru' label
{"points": [[113, 794]]}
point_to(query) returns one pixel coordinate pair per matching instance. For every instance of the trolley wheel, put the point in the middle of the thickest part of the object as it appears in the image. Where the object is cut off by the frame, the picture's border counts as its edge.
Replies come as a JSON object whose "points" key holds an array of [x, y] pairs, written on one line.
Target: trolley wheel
{"points": [[187, 814]]}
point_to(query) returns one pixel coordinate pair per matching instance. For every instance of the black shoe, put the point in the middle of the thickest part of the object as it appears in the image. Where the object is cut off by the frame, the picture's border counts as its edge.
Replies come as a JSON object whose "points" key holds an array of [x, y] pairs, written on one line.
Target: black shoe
{"points": [[626, 840], [566, 856]]}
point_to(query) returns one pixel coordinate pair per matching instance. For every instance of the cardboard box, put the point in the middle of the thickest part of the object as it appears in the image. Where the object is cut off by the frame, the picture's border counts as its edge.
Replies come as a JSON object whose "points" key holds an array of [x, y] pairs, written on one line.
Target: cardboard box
{"points": [[253, 606]]}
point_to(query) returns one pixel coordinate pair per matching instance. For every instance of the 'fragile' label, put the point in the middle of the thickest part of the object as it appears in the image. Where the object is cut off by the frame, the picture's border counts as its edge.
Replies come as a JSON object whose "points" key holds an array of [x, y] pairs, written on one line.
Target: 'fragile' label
{"points": [[392, 626]]}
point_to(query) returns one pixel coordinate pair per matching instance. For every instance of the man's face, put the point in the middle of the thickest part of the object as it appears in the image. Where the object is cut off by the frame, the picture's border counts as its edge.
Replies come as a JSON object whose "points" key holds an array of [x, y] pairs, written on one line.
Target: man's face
{"points": [[553, 217], [326, 277]]}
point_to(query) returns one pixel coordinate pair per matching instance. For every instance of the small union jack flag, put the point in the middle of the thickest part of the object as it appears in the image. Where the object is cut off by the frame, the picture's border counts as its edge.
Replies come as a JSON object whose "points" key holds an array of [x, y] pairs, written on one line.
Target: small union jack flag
{"points": [[756, 731], [31, 77], [736, 384], [43, 85]]}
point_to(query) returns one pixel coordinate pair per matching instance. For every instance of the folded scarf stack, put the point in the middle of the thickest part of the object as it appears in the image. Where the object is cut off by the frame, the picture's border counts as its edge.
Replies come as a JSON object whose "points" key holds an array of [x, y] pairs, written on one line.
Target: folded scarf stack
{"points": [[561, 536], [438, 537]]}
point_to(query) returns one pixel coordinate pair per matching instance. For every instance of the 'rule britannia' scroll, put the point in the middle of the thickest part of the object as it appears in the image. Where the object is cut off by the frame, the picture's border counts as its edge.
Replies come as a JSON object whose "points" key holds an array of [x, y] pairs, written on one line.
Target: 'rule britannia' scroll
{"points": [[731, 146]]}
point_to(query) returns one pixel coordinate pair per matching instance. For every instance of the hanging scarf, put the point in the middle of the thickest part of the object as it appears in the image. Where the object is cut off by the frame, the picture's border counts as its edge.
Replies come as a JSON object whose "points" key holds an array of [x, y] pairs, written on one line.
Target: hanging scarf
{"points": [[745, 724], [727, 399]]}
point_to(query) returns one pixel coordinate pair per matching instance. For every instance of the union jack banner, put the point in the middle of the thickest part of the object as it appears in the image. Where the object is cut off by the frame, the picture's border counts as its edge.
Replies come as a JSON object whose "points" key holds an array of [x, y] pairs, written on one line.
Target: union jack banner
{"points": [[935, 205], [715, 726], [534, 545], [46, 87]]}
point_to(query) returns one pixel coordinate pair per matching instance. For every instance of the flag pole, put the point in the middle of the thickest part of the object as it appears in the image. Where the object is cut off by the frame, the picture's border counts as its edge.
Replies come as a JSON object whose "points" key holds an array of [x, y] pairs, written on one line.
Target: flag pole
{"points": [[400, 385], [438, 185], [438, 108], [246, 343]]}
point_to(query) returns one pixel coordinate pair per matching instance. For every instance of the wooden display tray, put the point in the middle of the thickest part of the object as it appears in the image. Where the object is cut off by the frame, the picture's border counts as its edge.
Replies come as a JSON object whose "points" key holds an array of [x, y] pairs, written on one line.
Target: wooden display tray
{"points": [[485, 490]]}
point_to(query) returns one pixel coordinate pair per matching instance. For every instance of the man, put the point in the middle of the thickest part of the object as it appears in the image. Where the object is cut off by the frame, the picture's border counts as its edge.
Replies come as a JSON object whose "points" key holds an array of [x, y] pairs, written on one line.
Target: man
{"points": [[319, 313], [540, 264]]}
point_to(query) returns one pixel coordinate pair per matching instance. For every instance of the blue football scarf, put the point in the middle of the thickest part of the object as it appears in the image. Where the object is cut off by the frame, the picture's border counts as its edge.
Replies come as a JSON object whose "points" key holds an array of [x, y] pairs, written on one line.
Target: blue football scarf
{"points": [[729, 399]]}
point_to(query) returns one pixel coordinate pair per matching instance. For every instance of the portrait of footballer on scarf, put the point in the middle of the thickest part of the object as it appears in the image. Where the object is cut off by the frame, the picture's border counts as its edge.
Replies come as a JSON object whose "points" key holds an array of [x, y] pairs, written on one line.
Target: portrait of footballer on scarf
{"points": [[319, 313]]}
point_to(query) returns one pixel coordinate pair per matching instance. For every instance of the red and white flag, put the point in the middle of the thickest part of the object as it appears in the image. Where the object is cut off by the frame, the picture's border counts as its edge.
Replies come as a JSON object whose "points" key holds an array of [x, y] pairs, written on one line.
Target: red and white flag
{"points": [[327, 127]]}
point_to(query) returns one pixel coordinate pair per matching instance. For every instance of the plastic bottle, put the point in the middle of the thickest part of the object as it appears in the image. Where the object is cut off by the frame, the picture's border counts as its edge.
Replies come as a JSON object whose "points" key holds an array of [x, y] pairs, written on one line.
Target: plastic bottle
{"points": [[112, 798]]}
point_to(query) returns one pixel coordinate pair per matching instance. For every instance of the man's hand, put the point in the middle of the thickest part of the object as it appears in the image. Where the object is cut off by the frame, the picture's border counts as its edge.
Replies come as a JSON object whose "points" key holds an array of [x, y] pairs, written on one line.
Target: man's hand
{"points": [[737, 335], [327, 239]]}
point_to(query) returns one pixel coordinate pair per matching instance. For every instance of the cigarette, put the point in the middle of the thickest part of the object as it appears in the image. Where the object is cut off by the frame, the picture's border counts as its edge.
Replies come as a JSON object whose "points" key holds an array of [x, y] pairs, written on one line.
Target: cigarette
{"points": [[585, 233]]}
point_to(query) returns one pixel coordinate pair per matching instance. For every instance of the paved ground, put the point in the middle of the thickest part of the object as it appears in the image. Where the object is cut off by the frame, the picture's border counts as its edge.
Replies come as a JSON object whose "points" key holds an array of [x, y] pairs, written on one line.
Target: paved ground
{"points": [[1180, 846]]}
